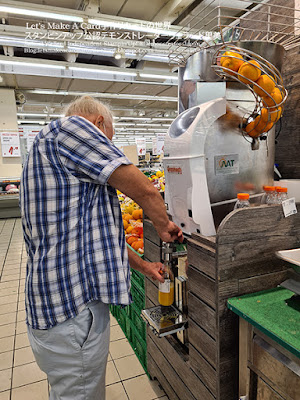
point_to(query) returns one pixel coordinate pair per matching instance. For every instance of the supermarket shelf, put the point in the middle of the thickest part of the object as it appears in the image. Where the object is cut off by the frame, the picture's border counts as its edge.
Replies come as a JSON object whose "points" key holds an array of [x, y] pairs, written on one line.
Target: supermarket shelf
{"points": [[9, 206]]}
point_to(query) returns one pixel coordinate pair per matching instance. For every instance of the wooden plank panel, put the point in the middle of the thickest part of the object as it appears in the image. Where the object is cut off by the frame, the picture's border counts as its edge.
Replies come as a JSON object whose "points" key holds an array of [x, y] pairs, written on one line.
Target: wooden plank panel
{"points": [[229, 376], [202, 286], [201, 258], [261, 282], [170, 370], [155, 372], [209, 241], [202, 314], [151, 251], [203, 369], [265, 392], [204, 343], [177, 356], [276, 369], [151, 291], [150, 232]]}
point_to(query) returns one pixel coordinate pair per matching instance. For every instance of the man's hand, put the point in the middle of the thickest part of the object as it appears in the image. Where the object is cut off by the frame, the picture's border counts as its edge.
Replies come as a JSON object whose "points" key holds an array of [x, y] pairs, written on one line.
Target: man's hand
{"points": [[170, 232], [153, 270]]}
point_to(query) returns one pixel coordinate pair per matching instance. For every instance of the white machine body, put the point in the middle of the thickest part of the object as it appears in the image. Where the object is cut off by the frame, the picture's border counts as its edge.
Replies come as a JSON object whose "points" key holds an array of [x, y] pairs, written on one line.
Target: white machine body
{"points": [[187, 196]]}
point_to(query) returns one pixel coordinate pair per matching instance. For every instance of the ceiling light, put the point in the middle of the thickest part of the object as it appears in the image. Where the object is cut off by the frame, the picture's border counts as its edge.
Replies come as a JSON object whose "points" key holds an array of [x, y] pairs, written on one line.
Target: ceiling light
{"points": [[103, 71], [42, 14], [157, 76], [29, 64], [21, 121], [114, 96]]}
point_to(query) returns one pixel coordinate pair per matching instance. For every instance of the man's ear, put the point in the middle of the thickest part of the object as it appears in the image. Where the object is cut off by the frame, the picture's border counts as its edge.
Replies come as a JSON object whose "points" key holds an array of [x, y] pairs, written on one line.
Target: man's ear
{"points": [[99, 120]]}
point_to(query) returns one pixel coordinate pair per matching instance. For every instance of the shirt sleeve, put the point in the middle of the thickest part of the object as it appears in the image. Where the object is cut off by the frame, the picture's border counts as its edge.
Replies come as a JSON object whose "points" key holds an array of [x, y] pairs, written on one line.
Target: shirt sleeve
{"points": [[86, 152]]}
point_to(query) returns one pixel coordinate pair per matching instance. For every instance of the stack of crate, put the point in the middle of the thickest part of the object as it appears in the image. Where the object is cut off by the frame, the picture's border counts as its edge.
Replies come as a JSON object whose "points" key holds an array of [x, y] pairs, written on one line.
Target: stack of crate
{"points": [[130, 320]]}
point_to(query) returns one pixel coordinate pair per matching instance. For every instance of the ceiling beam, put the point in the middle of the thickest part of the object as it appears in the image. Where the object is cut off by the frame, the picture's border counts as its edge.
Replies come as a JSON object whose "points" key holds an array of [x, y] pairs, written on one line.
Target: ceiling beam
{"points": [[171, 10]]}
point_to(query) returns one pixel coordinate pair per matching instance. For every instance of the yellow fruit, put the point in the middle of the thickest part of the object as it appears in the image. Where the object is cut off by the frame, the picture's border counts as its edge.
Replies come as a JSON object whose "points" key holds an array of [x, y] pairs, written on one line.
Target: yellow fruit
{"points": [[127, 217], [231, 60], [125, 223], [266, 83], [250, 70], [274, 99], [159, 174], [262, 126], [129, 229]]}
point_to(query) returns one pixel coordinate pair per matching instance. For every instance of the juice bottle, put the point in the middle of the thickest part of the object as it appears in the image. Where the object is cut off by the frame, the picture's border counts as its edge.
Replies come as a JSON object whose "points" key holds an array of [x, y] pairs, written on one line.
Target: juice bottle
{"points": [[166, 289]]}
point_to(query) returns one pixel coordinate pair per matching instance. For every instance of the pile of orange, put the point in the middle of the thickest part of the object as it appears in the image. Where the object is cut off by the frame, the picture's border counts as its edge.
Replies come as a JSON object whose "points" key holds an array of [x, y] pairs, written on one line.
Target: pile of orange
{"points": [[134, 229], [250, 72]]}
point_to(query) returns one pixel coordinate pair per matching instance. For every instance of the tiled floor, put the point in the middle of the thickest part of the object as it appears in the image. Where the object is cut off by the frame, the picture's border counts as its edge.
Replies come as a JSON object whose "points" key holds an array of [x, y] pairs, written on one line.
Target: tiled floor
{"points": [[20, 377]]}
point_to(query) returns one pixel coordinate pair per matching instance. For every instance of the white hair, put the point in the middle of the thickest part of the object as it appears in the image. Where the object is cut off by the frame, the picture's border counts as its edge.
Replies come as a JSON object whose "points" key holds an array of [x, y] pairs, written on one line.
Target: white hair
{"points": [[86, 106]]}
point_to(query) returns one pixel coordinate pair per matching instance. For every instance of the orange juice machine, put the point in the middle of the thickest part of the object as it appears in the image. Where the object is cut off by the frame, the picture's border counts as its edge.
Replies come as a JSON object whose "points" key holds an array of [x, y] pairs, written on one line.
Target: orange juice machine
{"points": [[211, 152], [210, 155]]}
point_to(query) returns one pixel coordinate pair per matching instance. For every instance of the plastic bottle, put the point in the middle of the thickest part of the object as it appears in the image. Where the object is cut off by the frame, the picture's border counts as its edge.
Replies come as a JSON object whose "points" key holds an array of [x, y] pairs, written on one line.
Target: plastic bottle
{"points": [[271, 197], [264, 196], [281, 194], [166, 289], [242, 201]]}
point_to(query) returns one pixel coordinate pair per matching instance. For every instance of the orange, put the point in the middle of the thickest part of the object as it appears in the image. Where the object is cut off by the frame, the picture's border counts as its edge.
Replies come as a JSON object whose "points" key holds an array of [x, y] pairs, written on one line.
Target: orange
{"points": [[271, 116], [137, 214], [139, 244], [249, 69], [250, 129], [125, 223], [127, 217], [231, 60], [137, 231], [131, 239], [129, 229], [274, 98], [266, 83], [261, 125]]}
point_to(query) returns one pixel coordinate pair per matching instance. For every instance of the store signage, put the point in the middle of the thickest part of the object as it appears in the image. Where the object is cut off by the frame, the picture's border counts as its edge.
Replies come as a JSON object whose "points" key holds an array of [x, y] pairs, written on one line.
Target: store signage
{"points": [[160, 137], [158, 144], [30, 138], [10, 144], [227, 164], [141, 146]]}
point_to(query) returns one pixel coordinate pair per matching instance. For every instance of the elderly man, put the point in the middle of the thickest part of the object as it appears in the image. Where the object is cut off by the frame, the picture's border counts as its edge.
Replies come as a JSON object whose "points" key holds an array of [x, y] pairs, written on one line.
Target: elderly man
{"points": [[77, 255]]}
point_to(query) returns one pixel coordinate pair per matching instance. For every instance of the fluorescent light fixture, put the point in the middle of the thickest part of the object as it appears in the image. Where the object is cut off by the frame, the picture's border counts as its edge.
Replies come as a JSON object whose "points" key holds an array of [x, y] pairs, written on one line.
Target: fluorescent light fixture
{"points": [[29, 64], [122, 96], [103, 71], [40, 122], [39, 115], [136, 118], [157, 76], [42, 14]]}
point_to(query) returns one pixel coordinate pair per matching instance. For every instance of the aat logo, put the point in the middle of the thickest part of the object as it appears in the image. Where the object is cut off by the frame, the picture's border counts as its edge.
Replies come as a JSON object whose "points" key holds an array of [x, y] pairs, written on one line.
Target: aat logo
{"points": [[223, 163]]}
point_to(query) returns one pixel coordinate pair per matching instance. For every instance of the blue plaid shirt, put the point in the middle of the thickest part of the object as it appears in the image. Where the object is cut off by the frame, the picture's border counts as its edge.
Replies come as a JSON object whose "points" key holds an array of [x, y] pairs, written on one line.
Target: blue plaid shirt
{"points": [[72, 223]]}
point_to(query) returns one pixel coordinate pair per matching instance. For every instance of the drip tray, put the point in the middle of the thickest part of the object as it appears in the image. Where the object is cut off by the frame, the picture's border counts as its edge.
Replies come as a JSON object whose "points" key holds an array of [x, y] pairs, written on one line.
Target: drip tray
{"points": [[164, 320]]}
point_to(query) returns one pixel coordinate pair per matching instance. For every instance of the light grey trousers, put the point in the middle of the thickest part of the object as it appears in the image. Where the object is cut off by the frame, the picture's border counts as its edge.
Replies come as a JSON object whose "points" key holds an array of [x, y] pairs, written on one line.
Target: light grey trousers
{"points": [[74, 353]]}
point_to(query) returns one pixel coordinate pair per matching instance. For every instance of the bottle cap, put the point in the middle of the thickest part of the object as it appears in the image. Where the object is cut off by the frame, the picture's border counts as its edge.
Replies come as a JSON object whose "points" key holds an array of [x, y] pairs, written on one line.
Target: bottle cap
{"points": [[282, 190], [243, 196], [277, 188], [269, 188]]}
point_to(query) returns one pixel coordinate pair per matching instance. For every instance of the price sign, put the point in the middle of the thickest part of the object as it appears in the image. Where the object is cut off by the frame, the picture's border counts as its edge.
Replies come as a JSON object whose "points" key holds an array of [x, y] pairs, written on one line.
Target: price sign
{"points": [[289, 207], [160, 137], [10, 144], [141, 146]]}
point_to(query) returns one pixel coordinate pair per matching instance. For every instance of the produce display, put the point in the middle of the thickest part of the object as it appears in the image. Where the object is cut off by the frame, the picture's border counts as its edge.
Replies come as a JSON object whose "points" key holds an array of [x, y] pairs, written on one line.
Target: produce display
{"points": [[132, 214]]}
